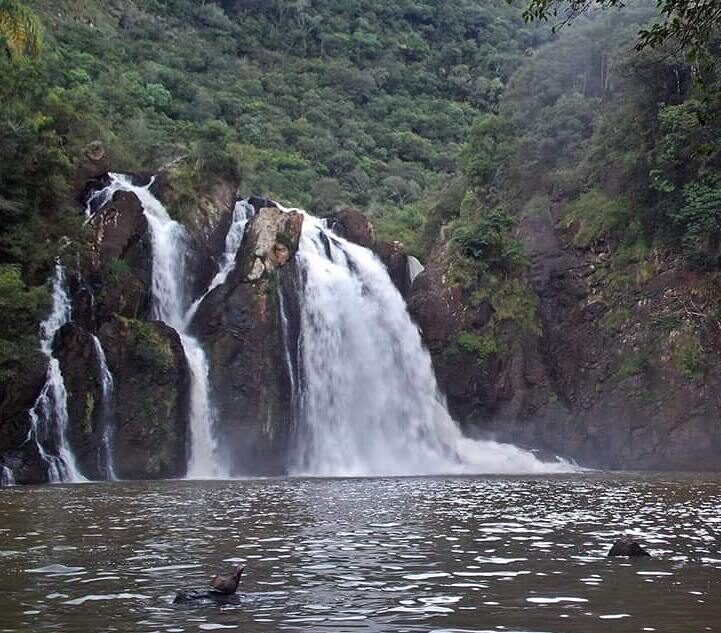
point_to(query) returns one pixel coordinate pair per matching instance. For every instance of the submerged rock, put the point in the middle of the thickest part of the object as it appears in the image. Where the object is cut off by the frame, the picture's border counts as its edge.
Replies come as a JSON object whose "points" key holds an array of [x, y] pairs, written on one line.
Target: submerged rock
{"points": [[626, 546]]}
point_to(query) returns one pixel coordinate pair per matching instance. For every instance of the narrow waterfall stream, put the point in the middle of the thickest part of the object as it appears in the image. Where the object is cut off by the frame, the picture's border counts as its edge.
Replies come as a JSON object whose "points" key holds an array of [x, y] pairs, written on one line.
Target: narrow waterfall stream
{"points": [[370, 402], [49, 414], [7, 477], [242, 212], [169, 246], [108, 389]]}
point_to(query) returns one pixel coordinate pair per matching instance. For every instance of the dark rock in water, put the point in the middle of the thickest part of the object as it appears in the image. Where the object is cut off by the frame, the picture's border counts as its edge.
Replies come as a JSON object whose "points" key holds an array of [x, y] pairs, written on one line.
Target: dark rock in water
{"points": [[627, 547], [205, 598]]}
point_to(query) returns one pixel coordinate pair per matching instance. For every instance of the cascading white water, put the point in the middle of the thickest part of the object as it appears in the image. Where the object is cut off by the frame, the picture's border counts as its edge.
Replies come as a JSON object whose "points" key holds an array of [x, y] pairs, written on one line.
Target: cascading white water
{"points": [[242, 213], [169, 245], [413, 269], [108, 389], [49, 413], [370, 403], [7, 477]]}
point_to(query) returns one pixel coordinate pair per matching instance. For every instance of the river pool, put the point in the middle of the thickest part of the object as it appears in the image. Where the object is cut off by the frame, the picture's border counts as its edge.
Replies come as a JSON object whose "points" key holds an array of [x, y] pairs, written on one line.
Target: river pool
{"points": [[504, 554]]}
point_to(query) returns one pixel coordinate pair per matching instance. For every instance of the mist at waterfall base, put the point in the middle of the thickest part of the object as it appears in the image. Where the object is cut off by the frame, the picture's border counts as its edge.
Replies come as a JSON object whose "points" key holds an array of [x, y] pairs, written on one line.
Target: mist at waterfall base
{"points": [[365, 396], [370, 402]]}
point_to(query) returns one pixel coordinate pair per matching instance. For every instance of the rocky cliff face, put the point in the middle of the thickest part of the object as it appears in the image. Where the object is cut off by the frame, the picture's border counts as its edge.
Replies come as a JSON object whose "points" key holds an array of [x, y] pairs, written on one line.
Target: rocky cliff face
{"points": [[620, 374], [239, 325]]}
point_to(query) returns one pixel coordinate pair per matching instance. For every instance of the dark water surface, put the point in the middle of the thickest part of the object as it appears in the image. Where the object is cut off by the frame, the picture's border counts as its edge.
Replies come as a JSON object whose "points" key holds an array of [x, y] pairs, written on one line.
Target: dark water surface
{"points": [[443, 555]]}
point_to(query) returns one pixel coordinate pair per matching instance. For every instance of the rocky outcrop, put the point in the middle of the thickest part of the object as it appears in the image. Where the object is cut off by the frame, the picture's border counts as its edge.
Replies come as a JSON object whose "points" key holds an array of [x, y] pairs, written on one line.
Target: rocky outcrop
{"points": [[74, 348], [147, 413], [395, 258], [239, 326], [626, 546], [205, 210], [150, 416], [15, 401], [352, 225], [619, 374], [118, 280]]}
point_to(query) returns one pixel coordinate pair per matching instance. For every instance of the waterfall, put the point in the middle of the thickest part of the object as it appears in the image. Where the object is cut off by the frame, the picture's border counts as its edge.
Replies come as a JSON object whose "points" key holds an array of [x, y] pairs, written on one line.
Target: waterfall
{"points": [[370, 402], [169, 246], [242, 213], [108, 389], [7, 478], [49, 413], [413, 269]]}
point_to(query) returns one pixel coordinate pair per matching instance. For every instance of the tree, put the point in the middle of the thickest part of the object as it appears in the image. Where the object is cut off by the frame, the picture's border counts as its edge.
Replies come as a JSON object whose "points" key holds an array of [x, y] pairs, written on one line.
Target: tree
{"points": [[688, 22], [19, 29]]}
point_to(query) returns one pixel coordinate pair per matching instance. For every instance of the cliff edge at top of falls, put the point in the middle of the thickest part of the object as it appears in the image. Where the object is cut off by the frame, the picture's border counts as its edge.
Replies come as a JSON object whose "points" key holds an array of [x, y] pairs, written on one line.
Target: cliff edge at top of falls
{"points": [[562, 357]]}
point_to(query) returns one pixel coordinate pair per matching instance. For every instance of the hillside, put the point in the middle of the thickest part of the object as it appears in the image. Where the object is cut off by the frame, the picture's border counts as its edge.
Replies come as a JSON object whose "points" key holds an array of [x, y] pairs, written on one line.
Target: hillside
{"points": [[578, 272]]}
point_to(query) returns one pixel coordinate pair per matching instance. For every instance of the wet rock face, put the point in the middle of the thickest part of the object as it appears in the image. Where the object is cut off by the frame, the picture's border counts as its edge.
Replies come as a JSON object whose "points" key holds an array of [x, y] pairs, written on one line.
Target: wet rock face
{"points": [[239, 326], [598, 381], [119, 279], [151, 398], [15, 401], [352, 225], [74, 348], [395, 258]]}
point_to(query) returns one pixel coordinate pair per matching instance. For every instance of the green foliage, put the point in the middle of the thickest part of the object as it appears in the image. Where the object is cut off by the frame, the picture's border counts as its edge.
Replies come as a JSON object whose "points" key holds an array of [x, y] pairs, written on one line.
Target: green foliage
{"points": [[699, 220], [490, 241], [688, 354], [21, 309], [686, 21], [150, 346], [595, 217], [20, 29], [483, 347], [634, 364]]}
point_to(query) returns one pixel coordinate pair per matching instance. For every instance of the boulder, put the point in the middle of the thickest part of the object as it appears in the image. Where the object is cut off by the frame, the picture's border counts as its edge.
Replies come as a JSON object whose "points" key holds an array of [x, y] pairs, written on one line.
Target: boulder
{"points": [[120, 277], [270, 241], [626, 546], [152, 386], [16, 398]]}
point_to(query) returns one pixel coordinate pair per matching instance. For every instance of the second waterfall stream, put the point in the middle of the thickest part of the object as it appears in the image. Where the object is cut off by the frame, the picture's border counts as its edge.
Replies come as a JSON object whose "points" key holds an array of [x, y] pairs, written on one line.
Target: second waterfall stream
{"points": [[170, 305]]}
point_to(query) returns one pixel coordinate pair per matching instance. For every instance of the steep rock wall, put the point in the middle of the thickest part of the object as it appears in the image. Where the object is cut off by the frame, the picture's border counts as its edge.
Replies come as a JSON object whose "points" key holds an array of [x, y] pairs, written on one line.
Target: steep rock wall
{"points": [[239, 326]]}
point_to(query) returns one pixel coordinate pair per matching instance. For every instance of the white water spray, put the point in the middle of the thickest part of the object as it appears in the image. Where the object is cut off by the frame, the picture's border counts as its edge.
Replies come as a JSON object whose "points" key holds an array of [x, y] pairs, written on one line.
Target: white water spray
{"points": [[242, 213], [49, 413], [7, 477], [370, 403], [108, 388], [413, 269], [169, 243]]}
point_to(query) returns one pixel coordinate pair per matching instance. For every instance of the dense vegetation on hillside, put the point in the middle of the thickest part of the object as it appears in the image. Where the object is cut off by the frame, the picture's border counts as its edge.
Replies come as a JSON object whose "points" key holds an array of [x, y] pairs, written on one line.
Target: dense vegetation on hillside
{"points": [[364, 103], [628, 143]]}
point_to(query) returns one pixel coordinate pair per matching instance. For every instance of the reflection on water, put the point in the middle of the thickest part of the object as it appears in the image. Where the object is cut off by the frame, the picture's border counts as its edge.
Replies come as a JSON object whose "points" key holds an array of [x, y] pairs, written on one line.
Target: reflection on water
{"points": [[400, 555]]}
